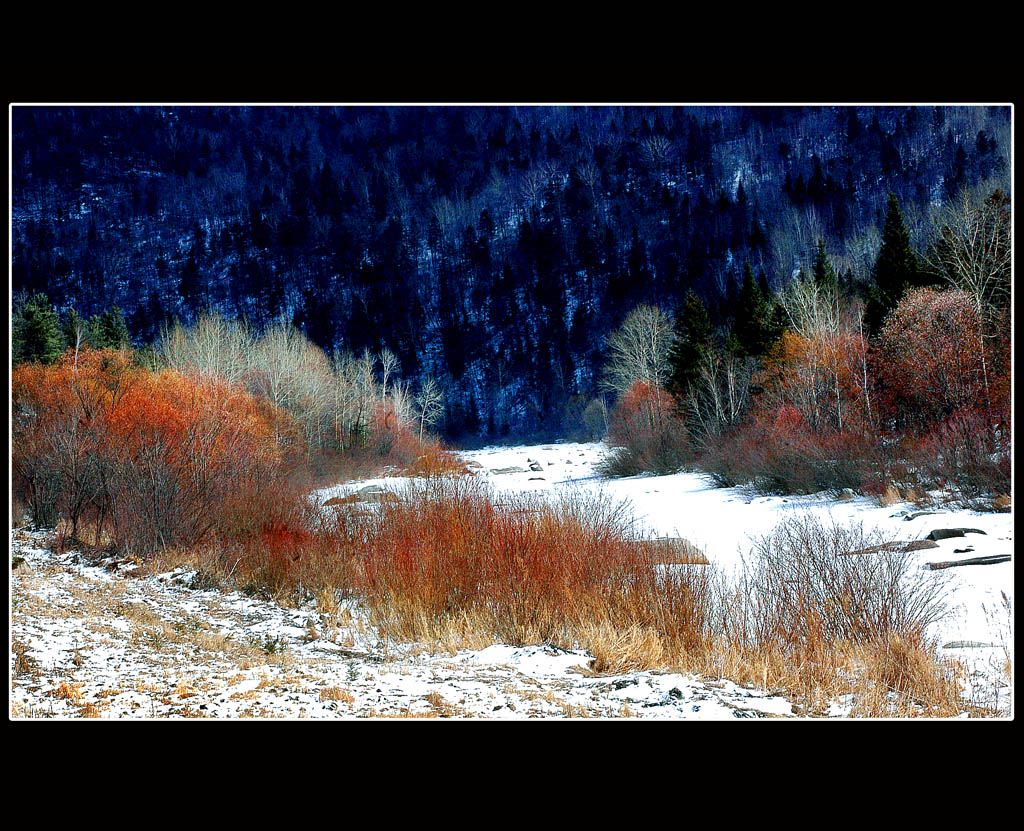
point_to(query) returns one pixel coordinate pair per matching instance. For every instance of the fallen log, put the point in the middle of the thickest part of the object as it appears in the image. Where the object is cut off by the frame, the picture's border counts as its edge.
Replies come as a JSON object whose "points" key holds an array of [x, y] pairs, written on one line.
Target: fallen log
{"points": [[946, 533], [896, 547], [971, 561]]}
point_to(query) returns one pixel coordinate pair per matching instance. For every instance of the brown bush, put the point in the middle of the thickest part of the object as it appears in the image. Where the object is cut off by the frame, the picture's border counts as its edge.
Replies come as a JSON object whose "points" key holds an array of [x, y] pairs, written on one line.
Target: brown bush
{"points": [[780, 454]]}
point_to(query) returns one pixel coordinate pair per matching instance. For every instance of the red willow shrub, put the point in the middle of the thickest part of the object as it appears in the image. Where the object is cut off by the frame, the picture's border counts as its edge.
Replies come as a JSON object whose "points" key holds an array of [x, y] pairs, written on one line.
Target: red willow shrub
{"points": [[965, 457], [929, 358], [645, 433], [398, 446], [780, 453], [521, 571], [943, 392]]}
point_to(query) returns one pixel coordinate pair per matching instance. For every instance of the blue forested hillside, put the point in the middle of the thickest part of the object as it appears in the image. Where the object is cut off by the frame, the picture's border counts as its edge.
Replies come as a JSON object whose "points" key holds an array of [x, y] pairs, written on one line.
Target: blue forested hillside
{"points": [[492, 248]]}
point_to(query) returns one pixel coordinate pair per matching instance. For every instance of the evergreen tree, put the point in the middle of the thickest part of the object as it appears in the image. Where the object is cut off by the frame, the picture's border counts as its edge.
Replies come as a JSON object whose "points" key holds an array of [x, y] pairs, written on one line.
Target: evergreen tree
{"points": [[108, 330], [189, 283], [895, 270], [35, 331], [752, 325], [822, 270], [692, 338]]}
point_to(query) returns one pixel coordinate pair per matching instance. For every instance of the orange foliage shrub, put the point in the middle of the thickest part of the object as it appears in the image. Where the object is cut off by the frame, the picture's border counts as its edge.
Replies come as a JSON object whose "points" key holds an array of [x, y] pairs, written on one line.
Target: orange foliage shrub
{"points": [[822, 377], [185, 449], [59, 433], [158, 456]]}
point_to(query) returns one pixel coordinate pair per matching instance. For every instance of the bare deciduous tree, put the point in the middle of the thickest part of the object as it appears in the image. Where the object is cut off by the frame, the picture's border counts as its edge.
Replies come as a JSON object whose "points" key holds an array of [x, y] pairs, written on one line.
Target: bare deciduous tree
{"points": [[973, 253], [638, 350], [388, 368], [719, 394], [214, 346], [429, 404]]}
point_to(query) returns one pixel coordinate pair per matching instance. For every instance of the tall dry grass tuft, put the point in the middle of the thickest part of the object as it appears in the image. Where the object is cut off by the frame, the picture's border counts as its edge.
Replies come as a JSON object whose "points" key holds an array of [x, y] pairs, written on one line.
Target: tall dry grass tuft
{"points": [[811, 616], [447, 558]]}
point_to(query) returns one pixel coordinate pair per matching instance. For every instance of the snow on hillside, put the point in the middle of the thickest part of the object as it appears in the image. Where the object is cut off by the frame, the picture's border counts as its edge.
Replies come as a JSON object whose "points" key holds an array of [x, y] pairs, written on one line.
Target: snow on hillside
{"points": [[88, 641]]}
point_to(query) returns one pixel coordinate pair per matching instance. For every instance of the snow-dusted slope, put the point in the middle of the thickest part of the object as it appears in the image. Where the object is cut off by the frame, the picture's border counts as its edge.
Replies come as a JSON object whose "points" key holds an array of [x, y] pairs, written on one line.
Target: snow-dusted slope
{"points": [[86, 640]]}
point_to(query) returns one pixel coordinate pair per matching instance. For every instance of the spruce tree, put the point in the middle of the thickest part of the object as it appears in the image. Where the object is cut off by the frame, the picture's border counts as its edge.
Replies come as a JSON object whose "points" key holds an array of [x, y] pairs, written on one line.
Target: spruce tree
{"points": [[751, 329], [35, 331], [822, 270], [108, 330], [895, 270], [692, 339]]}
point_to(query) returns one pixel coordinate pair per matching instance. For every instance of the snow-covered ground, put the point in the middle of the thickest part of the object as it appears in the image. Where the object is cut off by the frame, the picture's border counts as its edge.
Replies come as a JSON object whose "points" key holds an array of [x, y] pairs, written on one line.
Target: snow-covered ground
{"points": [[88, 640]]}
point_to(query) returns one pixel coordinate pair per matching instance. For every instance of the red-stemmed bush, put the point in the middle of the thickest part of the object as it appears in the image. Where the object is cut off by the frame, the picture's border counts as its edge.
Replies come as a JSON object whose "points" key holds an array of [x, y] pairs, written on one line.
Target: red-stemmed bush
{"points": [[928, 360], [645, 434], [780, 453]]}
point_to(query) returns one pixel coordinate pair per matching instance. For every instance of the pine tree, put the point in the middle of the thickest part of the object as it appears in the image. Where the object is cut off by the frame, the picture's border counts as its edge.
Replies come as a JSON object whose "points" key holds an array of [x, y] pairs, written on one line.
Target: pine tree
{"points": [[35, 331]]}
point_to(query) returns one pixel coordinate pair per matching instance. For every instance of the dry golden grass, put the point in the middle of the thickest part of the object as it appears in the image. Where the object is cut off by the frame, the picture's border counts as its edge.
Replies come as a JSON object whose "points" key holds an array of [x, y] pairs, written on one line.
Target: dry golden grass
{"points": [[618, 650], [69, 692], [900, 677], [903, 679], [889, 497], [327, 602], [440, 706], [169, 559], [337, 694], [24, 664], [673, 551]]}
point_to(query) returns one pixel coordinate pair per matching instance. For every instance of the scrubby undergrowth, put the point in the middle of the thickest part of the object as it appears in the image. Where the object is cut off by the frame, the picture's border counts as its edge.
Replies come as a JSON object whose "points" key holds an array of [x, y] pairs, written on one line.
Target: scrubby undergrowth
{"points": [[448, 563]]}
